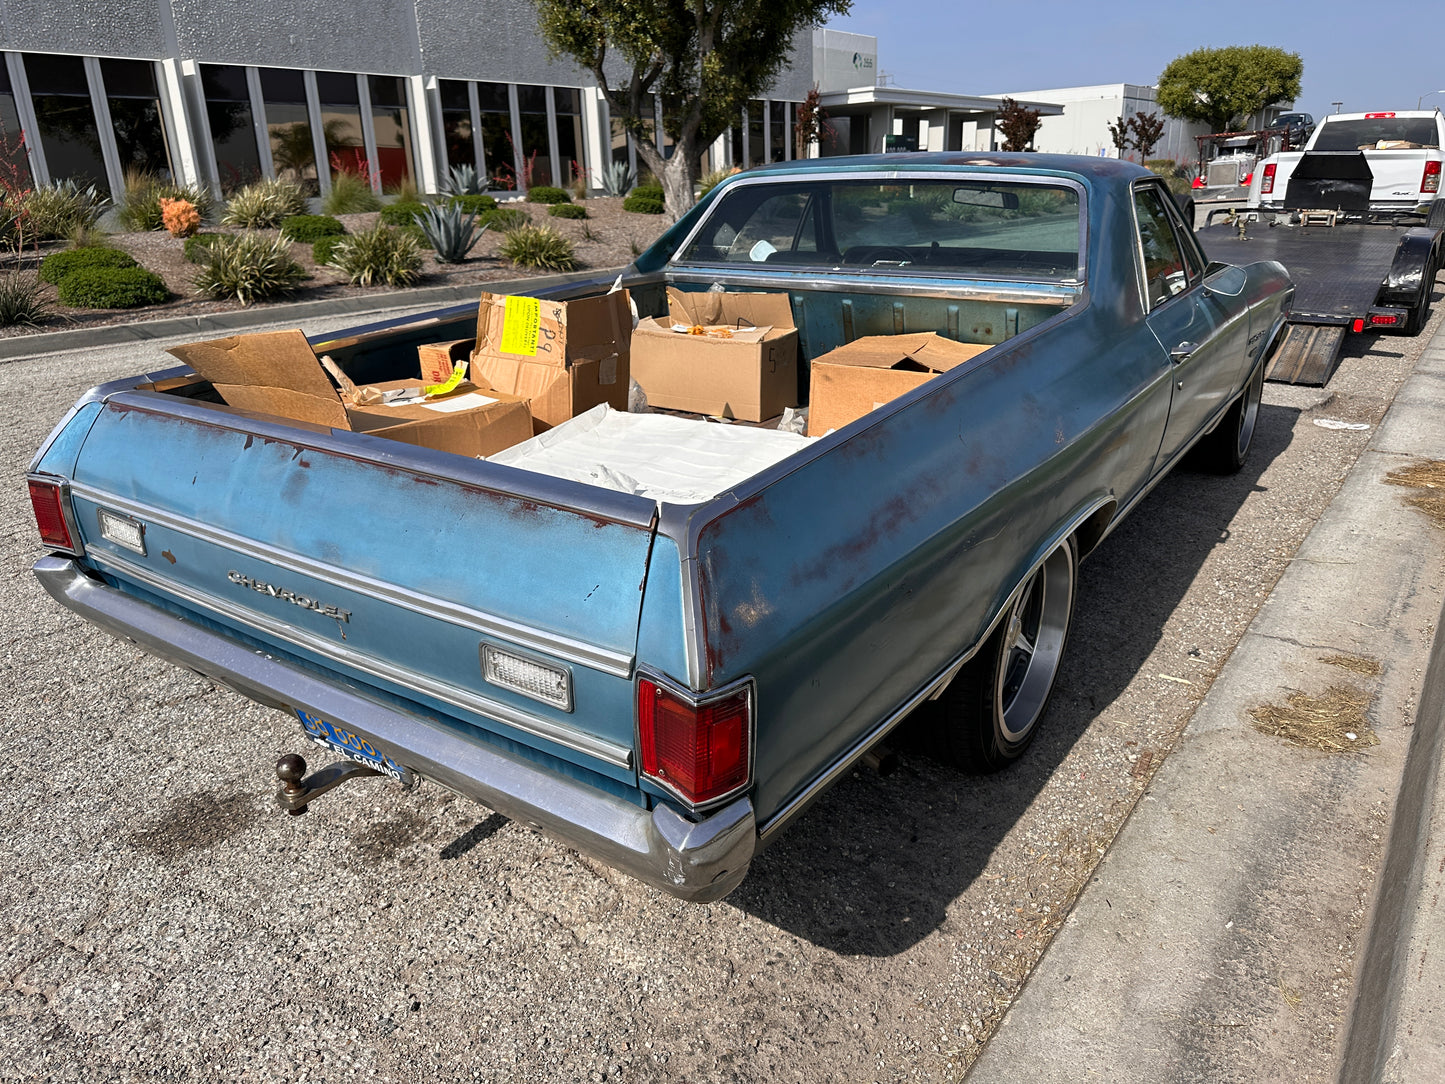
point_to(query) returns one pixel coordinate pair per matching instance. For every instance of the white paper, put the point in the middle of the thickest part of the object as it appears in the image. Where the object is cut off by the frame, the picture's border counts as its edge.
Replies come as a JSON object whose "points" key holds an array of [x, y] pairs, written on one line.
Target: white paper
{"points": [[461, 402]]}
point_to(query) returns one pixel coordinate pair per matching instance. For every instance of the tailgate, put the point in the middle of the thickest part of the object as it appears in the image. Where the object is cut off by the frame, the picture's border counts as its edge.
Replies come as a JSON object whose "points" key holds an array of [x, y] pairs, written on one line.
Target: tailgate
{"points": [[389, 565]]}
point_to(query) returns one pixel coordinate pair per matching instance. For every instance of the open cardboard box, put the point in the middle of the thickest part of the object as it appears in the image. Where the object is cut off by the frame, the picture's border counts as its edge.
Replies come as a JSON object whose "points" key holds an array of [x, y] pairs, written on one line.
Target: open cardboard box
{"points": [[848, 382], [277, 372], [565, 357], [750, 376]]}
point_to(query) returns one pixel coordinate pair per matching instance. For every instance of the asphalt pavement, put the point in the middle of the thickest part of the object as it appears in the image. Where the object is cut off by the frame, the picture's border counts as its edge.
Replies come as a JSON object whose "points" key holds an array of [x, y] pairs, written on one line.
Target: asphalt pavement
{"points": [[1241, 866]]}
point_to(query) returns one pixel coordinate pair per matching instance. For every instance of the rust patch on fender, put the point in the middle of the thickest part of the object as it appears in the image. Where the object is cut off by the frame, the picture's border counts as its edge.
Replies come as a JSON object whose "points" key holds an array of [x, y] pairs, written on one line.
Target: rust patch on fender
{"points": [[169, 556]]}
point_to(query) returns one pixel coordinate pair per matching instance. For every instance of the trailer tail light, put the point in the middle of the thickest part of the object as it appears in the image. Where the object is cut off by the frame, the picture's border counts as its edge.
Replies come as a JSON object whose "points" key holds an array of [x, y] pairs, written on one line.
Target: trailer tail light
{"points": [[1358, 325], [1266, 184], [698, 749], [1430, 182], [1384, 319], [50, 499]]}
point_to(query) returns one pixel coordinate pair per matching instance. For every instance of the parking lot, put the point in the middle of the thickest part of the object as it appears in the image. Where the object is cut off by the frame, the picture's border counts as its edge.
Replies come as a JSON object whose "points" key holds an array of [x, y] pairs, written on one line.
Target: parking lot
{"points": [[164, 919]]}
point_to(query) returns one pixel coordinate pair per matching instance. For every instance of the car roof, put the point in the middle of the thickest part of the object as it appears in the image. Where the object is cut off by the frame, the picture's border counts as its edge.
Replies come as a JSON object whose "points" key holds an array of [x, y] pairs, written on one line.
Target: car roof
{"points": [[1081, 165]]}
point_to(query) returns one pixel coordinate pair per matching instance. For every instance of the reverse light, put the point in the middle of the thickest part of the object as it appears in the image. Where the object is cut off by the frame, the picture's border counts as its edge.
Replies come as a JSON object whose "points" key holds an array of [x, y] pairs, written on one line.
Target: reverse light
{"points": [[50, 500], [1266, 184], [699, 749], [1430, 181]]}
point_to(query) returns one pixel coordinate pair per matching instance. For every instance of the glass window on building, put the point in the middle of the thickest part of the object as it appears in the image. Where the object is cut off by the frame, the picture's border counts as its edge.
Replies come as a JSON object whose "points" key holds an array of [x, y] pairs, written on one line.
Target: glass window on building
{"points": [[66, 122], [457, 123], [568, 103], [649, 125], [14, 161], [228, 109], [135, 115], [757, 135], [391, 124], [341, 124], [496, 112], [537, 165], [735, 140], [619, 142], [283, 92], [778, 132]]}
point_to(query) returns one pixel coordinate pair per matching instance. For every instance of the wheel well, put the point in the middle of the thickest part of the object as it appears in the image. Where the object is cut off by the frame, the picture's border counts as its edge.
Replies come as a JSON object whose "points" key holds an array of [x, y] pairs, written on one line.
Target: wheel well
{"points": [[1091, 532]]}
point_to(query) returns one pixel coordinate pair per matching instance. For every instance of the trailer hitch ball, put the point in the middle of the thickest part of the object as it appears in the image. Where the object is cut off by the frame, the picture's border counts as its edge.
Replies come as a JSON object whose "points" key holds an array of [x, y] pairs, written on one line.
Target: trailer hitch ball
{"points": [[298, 790], [291, 769]]}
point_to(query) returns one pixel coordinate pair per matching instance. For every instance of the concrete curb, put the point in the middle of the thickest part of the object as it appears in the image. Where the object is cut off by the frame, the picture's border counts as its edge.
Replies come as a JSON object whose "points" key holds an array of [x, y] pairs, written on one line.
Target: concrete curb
{"points": [[50, 342], [1234, 874]]}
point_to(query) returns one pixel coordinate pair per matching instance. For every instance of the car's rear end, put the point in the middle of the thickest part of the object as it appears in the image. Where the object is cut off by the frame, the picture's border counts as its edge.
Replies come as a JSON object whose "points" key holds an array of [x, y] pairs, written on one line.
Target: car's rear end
{"points": [[421, 613]]}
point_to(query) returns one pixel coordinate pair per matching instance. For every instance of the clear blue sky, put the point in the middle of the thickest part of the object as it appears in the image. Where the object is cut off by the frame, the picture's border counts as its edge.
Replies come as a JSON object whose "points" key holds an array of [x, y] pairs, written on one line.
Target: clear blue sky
{"points": [[1368, 55]]}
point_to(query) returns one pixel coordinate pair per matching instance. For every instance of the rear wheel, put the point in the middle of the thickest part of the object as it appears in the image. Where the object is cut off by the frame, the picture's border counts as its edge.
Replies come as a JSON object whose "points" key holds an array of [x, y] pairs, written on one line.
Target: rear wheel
{"points": [[1419, 314], [993, 707], [1225, 450]]}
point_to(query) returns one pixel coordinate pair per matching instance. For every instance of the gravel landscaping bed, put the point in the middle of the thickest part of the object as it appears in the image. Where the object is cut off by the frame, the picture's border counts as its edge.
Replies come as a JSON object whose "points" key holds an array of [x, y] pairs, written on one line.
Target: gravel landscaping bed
{"points": [[608, 237]]}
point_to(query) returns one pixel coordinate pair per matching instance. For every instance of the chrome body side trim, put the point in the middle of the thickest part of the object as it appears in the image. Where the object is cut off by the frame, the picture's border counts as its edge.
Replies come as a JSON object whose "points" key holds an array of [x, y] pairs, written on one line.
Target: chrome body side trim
{"points": [[1060, 295], [566, 736], [615, 663], [700, 861]]}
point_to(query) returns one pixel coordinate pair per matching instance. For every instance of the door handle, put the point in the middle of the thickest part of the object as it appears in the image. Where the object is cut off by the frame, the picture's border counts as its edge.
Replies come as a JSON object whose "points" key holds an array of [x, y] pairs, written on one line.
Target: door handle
{"points": [[1182, 352]]}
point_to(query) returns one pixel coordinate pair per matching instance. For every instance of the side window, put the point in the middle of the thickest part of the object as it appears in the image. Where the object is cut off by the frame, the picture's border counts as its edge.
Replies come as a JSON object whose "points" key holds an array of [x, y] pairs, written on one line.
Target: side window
{"points": [[1165, 271], [777, 225]]}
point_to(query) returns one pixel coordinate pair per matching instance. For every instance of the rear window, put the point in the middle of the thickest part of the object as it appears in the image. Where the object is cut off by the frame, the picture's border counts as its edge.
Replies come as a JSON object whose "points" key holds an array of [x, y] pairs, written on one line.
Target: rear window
{"points": [[1380, 133], [915, 227]]}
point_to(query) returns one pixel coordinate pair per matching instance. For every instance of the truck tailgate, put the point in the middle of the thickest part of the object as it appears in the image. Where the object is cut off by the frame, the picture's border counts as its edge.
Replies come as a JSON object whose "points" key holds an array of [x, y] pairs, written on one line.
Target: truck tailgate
{"points": [[390, 565]]}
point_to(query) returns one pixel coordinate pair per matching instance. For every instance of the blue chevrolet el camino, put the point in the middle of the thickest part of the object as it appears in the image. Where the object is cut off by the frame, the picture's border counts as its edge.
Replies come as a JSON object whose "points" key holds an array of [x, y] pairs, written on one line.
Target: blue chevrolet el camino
{"points": [[666, 683]]}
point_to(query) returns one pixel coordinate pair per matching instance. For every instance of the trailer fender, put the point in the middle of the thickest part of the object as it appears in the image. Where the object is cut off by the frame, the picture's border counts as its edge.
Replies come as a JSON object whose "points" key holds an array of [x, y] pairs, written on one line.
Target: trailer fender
{"points": [[1416, 259]]}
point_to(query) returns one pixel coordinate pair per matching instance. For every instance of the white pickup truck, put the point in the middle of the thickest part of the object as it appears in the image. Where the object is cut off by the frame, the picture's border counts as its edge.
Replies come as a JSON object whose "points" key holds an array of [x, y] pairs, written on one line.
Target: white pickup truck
{"points": [[1361, 163]]}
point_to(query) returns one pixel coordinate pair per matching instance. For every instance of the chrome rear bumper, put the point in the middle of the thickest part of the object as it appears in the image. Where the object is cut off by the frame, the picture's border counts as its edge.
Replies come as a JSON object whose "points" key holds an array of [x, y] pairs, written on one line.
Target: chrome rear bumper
{"points": [[700, 862]]}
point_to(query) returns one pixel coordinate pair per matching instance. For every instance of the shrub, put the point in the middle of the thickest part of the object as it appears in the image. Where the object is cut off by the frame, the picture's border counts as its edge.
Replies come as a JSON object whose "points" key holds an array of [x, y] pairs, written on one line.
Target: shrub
{"points": [[463, 181], [111, 288], [539, 248], [58, 209], [351, 194], [451, 233], [504, 219], [308, 228], [262, 206], [649, 191], [712, 180], [379, 255], [89, 237], [179, 216], [474, 204], [643, 205], [404, 190], [248, 267], [567, 210], [618, 179], [197, 245], [322, 250], [402, 214], [21, 299], [139, 209], [545, 193], [1165, 167], [60, 265]]}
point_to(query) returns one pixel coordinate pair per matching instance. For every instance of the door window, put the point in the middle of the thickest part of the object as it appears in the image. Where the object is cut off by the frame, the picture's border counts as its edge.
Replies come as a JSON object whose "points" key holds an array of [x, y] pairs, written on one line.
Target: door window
{"points": [[1165, 270]]}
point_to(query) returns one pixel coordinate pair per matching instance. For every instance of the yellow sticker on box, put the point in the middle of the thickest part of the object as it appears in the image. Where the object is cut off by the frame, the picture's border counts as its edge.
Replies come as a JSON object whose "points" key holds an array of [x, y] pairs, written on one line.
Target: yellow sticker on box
{"points": [[459, 373], [521, 318]]}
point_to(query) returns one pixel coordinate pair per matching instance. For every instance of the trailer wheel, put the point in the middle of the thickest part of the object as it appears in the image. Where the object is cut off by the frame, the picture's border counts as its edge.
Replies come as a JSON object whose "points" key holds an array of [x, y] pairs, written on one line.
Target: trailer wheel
{"points": [[1435, 220], [992, 709], [1225, 450], [1419, 314]]}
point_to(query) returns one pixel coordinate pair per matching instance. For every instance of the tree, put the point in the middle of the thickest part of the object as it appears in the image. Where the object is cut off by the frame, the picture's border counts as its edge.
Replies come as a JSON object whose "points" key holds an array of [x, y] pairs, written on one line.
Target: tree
{"points": [[811, 125], [1018, 125], [702, 59], [1222, 86], [1145, 131], [1120, 134]]}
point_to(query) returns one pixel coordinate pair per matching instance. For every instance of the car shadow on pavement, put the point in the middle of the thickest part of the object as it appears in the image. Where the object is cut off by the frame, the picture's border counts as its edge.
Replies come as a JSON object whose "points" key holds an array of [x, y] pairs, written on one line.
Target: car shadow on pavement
{"points": [[872, 867]]}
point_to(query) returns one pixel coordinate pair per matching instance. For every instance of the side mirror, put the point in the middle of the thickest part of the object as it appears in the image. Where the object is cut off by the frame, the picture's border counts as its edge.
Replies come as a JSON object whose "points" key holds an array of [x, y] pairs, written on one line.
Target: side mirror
{"points": [[1225, 279]]}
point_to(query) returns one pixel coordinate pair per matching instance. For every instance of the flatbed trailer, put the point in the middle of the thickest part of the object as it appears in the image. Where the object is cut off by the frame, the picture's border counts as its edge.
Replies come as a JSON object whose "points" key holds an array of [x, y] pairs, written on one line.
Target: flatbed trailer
{"points": [[1351, 274]]}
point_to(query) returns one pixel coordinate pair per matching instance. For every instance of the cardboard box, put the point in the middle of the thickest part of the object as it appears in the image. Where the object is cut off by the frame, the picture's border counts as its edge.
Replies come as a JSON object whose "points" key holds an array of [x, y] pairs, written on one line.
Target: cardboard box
{"points": [[749, 376], [277, 373], [564, 356], [859, 376], [437, 360]]}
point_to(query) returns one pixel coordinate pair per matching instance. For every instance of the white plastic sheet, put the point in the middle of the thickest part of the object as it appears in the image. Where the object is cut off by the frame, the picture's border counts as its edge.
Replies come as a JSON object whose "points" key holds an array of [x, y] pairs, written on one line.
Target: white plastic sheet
{"points": [[677, 460]]}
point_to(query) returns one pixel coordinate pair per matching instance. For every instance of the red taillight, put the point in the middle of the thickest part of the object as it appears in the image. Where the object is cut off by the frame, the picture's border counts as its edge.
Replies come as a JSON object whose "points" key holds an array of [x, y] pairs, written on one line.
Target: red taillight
{"points": [[1383, 319], [48, 500], [698, 751], [1430, 182], [1358, 325], [1266, 185], [1378, 116]]}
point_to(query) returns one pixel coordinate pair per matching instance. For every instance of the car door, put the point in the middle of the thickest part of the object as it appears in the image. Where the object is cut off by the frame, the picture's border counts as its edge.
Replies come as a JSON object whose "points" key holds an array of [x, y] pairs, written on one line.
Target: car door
{"points": [[1182, 315]]}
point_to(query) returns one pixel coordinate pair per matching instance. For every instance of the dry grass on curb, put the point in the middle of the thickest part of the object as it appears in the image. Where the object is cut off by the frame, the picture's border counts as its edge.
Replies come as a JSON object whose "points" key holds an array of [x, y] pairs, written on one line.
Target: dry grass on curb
{"points": [[1332, 723], [1355, 663], [1426, 474]]}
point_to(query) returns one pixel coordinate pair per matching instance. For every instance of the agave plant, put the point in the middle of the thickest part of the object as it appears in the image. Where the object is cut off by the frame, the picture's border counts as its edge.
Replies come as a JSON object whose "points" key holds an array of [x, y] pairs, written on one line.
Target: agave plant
{"points": [[463, 181], [450, 233], [618, 179]]}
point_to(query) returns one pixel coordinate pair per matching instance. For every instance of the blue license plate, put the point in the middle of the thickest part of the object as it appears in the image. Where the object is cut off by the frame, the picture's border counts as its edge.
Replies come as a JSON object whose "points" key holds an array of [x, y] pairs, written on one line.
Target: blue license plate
{"points": [[353, 747]]}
